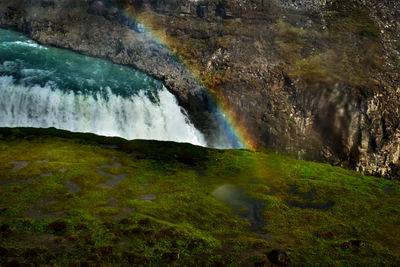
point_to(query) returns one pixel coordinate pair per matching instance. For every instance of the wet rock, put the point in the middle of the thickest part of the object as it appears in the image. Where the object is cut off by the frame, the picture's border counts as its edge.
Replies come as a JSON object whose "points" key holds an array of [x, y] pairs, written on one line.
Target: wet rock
{"points": [[123, 214], [18, 165], [148, 197], [146, 185], [115, 179], [39, 210], [279, 257], [72, 187], [42, 161]]}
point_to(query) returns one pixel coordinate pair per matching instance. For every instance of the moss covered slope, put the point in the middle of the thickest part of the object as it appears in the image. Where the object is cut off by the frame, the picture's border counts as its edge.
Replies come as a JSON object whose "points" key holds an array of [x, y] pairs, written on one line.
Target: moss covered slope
{"points": [[82, 199]]}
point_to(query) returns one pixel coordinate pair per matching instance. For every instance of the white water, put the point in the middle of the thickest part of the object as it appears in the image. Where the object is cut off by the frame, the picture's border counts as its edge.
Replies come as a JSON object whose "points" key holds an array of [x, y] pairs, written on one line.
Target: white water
{"points": [[133, 117]]}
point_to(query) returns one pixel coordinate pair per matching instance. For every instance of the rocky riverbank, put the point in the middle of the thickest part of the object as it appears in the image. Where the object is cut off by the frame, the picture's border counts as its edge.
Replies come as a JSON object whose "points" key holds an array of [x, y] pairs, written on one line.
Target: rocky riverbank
{"points": [[316, 79]]}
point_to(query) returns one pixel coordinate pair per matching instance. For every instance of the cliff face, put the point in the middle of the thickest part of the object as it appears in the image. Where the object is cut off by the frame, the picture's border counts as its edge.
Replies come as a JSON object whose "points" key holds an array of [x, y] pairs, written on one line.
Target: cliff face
{"points": [[317, 79]]}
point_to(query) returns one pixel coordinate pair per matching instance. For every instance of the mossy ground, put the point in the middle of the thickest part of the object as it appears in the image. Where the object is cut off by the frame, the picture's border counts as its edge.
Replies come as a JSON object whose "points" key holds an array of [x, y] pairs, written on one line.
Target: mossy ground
{"points": [[42, 222]]}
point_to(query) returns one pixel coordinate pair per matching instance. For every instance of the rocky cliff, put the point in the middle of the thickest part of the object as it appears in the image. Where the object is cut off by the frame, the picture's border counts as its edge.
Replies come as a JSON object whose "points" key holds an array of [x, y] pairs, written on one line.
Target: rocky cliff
{"points": [[319, 79]]}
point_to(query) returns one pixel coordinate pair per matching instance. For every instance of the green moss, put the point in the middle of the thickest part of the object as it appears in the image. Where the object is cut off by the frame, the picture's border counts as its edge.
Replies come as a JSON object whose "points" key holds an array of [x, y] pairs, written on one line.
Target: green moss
{"points": [[185, 224], [346, 50]]}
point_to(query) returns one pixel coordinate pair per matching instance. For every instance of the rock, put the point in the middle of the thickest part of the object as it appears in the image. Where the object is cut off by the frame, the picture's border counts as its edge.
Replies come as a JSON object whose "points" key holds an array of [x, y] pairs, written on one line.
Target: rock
{"points": [[357, 243], [278, 257], [321, 115], [352, 243], [170, 257], [345, 245], [58, 226], [148, 197]]}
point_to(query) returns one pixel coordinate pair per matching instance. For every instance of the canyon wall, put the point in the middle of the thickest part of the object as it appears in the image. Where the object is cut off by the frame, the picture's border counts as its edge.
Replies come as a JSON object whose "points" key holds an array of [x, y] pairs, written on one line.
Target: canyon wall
{"points": [[318, 79]]}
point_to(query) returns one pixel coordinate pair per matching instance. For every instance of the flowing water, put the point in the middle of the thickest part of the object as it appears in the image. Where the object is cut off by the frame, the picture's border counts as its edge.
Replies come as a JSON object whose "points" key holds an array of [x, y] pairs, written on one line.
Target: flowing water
{"points": [[50, 87]]}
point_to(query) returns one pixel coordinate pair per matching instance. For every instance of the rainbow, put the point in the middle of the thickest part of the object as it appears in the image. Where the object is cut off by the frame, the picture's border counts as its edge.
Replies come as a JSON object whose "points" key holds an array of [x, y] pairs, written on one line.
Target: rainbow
{"points": [[227, 118]]}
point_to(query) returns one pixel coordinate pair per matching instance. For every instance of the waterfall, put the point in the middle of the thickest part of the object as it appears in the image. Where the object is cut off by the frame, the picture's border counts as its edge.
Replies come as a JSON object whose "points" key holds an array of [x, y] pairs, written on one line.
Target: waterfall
{"points": [[49, 87], [134, 117]]}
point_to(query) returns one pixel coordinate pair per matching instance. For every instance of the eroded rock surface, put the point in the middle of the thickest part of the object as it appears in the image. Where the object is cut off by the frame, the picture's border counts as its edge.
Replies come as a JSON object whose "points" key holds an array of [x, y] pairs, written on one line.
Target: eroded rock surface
{"points": [[318, 79]]}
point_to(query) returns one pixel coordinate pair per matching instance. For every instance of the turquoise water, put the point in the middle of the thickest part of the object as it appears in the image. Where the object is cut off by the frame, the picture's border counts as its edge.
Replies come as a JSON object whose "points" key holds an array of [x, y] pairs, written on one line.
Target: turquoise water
{"points": [[33, 64], [50, 87]]}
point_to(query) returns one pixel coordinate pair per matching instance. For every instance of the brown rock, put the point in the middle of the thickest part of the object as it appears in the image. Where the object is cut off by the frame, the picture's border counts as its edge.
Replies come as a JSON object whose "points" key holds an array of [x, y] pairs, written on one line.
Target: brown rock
{"points": [[278, 257], [58, 226]]}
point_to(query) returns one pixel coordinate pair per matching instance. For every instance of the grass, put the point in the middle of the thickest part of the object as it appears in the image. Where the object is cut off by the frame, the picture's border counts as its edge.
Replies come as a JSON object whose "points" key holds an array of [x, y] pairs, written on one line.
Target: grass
{"points": [[185, 224]]}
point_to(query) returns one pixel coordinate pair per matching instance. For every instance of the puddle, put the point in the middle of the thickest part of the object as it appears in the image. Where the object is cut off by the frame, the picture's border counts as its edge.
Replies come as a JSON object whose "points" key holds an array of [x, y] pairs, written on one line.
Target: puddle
{"points": [[39, 210], [242, 205], [72, 187], [18, 165], [309, 197], [27, 181], [148, 197], [310, 205], [306, 196]]}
